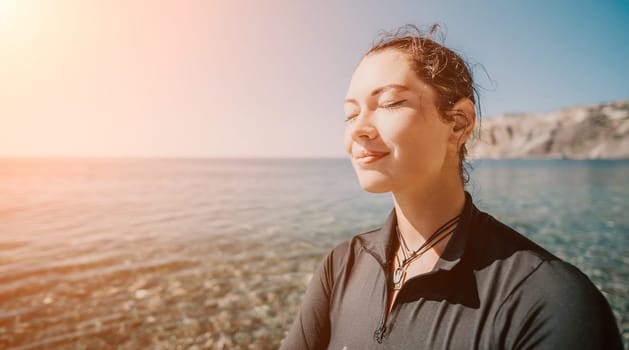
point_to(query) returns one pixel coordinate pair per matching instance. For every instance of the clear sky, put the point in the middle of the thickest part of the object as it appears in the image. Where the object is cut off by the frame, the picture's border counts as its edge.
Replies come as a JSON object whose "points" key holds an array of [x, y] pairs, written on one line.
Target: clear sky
{"points": [[267, 78]]}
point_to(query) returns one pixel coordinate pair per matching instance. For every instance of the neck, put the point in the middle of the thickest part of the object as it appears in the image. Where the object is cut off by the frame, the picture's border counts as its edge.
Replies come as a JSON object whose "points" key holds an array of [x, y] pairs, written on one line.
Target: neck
{"points": [[420, 214]]}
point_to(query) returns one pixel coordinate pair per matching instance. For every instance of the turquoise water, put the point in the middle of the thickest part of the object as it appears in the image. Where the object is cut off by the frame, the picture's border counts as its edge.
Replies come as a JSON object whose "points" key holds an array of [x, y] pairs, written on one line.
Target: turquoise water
{"points": [[161, 253]]}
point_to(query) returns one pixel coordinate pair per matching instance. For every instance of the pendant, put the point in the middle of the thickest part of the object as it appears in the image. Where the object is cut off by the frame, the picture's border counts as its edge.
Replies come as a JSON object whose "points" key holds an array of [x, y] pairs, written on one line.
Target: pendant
{"points": [[398, 276]]}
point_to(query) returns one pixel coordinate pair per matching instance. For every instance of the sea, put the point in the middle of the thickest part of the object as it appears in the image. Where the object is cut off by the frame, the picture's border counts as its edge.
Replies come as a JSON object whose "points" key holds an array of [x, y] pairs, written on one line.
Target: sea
{"points": [[132, 253]]}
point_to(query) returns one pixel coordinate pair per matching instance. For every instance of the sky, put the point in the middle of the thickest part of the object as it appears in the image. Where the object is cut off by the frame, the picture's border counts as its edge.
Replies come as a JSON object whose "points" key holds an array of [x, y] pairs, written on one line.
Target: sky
{"points": [[179, 78]]}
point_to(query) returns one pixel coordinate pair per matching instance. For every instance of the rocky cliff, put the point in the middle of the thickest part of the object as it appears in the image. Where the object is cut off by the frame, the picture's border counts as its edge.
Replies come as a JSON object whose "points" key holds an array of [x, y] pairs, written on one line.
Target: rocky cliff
{"points": [[588, 132]]}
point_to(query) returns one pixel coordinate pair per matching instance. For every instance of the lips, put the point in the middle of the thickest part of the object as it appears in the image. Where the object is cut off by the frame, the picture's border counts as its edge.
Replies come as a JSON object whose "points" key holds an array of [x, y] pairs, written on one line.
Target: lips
{"points": [[366, 157]]}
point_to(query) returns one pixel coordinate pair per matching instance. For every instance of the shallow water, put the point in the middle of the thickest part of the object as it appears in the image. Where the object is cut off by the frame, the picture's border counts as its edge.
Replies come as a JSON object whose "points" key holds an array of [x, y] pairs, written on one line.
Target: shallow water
{"points": [[132, 253]]}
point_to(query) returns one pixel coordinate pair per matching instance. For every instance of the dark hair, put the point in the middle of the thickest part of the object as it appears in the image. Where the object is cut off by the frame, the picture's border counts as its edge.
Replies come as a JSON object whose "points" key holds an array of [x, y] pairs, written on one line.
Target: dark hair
{"points": [[440, 67]]}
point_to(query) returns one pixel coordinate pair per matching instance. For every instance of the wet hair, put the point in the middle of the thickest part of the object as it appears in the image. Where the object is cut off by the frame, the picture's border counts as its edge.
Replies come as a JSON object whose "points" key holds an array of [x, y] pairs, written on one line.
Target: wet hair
{"points": [[438, 66]]}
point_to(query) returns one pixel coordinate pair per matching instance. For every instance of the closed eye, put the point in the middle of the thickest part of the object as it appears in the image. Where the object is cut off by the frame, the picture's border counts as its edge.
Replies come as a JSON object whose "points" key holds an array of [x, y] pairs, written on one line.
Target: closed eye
{"points": [[350, 117], [389, 107], [393, 105]]}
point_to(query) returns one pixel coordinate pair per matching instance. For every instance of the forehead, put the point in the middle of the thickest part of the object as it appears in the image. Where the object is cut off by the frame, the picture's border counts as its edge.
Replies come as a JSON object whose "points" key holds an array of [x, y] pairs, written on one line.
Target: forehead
{"points": [[380, 69]]}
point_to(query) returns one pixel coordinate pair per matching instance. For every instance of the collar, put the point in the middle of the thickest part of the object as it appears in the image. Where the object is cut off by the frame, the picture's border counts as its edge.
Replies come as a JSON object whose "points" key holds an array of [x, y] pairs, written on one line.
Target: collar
{"points": [[381, 242]]}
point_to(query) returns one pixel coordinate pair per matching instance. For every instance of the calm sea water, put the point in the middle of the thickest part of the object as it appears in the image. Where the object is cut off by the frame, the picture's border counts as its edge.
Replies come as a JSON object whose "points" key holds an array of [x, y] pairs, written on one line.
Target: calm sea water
{"points": [[132, 253]]}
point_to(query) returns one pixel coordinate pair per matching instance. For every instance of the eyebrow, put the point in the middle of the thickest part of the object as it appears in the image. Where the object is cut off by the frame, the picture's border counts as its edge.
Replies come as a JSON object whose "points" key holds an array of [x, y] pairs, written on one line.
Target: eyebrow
{"points": [[381, 89]]}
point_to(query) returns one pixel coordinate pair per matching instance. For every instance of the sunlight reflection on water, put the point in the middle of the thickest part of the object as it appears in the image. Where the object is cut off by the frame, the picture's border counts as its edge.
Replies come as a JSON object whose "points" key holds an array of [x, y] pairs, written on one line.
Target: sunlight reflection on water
{"points": [[216, 253]]}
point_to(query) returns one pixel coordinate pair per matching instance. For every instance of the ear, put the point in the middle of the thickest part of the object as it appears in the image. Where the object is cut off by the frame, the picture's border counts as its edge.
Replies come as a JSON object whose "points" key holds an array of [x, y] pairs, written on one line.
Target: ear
{"points": [[462, 117]]}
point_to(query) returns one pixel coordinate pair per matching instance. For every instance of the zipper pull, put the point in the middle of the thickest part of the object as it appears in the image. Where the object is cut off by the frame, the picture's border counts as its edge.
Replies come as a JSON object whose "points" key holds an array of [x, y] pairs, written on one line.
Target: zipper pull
{"points": [[379, 334]]}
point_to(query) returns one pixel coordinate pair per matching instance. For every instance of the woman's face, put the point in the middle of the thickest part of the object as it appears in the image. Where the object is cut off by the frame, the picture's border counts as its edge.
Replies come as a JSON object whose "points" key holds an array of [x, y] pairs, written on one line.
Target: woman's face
{"points": [[394, 136]]}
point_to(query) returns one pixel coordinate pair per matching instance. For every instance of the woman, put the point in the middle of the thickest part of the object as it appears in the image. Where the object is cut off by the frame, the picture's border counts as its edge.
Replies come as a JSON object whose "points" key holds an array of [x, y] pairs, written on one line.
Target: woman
{"points": [[440, 274]]}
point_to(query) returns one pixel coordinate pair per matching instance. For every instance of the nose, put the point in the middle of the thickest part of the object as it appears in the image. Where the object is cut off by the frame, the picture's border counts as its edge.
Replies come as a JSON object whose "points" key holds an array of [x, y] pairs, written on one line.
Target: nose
{"points": [[362, 127]]}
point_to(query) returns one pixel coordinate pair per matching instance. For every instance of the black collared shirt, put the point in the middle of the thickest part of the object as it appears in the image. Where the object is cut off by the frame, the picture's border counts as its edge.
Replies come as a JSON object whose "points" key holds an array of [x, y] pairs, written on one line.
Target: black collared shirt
{"points": [[492, 288]]}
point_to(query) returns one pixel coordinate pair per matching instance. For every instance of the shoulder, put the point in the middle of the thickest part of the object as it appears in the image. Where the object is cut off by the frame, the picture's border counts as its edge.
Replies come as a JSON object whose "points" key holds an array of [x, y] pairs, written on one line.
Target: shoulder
{"points": [[558, 284], [536, 270], [501, 254], [499, 238], [343, 251], [561, 287], [346, 256], [338, 256], [553, 305], [526, 271], [544, 299]]}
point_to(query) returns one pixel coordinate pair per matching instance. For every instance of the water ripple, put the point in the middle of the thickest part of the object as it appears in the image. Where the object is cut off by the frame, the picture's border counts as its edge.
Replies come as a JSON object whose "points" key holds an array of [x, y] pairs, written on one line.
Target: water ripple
{"points": [[128, 254]]}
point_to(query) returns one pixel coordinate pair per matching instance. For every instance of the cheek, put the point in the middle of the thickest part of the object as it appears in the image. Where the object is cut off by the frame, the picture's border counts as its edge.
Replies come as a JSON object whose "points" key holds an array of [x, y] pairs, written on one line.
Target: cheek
{"points": [[405, 137], [347, 142], [419, 144]]}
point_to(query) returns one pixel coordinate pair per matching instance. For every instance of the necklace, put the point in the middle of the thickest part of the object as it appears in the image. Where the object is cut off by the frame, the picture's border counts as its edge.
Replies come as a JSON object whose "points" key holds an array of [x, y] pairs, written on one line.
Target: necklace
{"points": [[409, 255]]}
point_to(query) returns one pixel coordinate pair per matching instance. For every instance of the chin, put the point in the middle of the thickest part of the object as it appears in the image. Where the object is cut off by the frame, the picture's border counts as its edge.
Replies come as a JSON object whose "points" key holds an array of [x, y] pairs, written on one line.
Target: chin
{"points": [[374, 183]]}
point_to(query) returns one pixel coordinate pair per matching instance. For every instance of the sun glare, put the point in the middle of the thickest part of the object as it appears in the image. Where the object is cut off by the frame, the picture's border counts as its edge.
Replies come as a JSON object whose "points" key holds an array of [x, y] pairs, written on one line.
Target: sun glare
{"points": [[15, 14], [20, 21], [9, 10]]}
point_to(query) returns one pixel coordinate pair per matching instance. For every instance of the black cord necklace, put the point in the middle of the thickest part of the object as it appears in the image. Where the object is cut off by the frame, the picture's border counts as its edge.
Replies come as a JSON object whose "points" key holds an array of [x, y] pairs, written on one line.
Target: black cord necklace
{"points": [[409, 255]]}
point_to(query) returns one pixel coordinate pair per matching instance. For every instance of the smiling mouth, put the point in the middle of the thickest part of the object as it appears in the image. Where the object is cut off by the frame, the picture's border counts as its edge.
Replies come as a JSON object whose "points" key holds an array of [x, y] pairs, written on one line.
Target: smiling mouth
{"points": [[368, 158]]}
